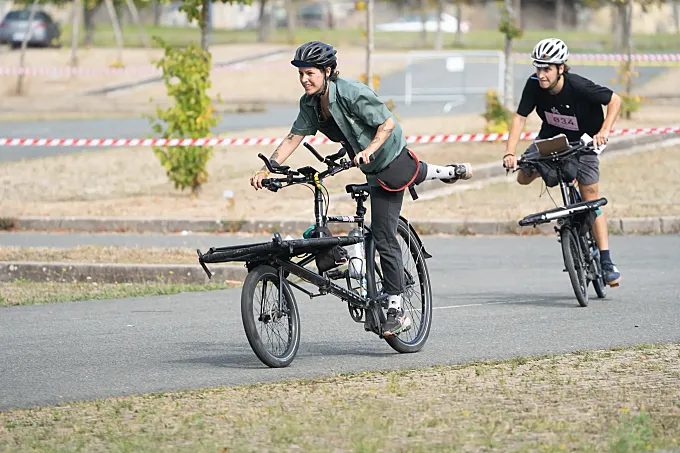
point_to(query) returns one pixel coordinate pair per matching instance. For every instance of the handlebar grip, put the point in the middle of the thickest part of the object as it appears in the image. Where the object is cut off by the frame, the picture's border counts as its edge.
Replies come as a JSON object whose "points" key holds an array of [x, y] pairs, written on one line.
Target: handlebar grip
{"points": [[314, 151], [371, 158]]}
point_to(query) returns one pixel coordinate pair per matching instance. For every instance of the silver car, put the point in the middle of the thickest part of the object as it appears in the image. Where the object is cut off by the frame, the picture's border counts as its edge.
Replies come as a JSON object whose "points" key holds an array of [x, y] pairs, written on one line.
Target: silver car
{"points": [[46, 32]]}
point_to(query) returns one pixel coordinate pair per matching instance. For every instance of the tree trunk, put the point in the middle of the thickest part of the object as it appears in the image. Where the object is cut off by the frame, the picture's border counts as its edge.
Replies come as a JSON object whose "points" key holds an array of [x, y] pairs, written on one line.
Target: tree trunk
{"points": [[156, 9], [620, 26], [508, 85], [135, 18], [438, 38], [22, 57], [204, 24], [291, 15], [369, 43], [77, 8], [629, 49], [116, 28], [559, 15], [88, 14], [423, 16], [264, 26], [676, 15], [459, 18]]}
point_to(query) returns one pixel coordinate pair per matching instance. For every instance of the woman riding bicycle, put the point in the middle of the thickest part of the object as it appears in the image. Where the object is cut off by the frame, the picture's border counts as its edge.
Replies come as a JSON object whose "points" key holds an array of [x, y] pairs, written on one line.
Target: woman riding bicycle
{"points": [[568, 104], [350, 113]]}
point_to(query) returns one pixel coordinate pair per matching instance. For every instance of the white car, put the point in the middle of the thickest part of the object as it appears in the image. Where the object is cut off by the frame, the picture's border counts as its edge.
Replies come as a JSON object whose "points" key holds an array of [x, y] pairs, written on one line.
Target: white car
{"points": [[414, 23]]}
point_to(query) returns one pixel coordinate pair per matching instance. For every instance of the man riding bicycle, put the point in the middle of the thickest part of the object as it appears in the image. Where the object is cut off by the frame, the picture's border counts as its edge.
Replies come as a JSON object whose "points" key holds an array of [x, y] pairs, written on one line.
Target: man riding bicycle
{"points": [[350, 113], [568, 104]]}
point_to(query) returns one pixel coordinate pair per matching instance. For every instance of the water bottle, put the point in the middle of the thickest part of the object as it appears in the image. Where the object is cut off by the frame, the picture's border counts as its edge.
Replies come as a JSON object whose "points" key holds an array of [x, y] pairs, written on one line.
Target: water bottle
{"points": [[355, 265]]}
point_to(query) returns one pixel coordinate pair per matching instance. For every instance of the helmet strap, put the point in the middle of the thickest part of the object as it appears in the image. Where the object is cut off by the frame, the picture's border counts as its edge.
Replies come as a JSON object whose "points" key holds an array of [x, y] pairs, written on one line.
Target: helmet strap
{"points": [[325, 85]]}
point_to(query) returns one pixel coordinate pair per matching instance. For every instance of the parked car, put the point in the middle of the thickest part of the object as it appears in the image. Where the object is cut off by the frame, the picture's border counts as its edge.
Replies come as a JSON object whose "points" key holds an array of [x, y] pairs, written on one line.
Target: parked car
{"points": [[14, 26], [414, 23]]}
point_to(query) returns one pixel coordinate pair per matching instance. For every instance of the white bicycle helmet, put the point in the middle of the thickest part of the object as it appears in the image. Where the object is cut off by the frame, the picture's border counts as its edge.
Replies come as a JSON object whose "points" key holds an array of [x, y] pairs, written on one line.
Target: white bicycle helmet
{"points": [[549, 51]]}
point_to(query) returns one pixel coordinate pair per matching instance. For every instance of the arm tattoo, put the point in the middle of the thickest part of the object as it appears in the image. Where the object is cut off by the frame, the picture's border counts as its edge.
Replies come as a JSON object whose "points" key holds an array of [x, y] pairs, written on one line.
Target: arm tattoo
{"points": [[384, 128], [276, 151]]}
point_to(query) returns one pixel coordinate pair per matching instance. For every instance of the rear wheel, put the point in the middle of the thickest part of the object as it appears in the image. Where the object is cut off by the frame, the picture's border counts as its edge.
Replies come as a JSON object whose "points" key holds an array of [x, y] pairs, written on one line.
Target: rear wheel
{"points": [[417, 297], [272, 331], [595, 267], [575, 265]]}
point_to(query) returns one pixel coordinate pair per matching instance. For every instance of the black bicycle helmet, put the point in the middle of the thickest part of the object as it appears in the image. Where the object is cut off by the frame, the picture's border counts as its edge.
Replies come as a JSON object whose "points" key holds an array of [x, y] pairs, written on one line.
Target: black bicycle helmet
{"points": [[316, 54]]}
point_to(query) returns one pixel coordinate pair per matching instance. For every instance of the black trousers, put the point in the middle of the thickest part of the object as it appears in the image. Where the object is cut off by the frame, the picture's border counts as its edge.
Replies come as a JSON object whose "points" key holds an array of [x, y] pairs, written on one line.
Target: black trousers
{"points": [[385, 210]]}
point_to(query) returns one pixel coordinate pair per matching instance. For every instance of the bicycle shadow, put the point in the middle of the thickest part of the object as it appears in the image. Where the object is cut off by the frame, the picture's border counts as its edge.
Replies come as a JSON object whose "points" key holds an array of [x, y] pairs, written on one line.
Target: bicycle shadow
{"points": [[568, 300], [240, 356]]}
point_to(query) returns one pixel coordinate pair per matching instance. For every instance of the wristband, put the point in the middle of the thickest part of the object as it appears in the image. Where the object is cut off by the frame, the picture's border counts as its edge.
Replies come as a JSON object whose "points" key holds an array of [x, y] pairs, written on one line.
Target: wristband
{"points": [[507, 155], [264, 172]]}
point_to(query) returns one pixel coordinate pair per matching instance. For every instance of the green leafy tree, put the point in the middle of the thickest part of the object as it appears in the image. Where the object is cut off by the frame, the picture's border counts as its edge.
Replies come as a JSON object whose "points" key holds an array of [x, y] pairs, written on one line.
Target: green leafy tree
{"points": [[186, 74]]}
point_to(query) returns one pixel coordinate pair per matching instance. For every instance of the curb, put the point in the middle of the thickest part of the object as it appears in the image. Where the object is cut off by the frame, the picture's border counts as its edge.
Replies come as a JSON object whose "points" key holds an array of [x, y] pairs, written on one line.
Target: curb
{"points": [[617, 226], [117, 273]]}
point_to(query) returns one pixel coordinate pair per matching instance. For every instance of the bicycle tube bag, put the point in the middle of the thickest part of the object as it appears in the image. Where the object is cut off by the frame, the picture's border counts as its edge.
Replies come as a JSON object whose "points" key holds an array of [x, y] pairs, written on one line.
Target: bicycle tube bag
{"points": [[548, 170], [330, 257], [401, 173]]}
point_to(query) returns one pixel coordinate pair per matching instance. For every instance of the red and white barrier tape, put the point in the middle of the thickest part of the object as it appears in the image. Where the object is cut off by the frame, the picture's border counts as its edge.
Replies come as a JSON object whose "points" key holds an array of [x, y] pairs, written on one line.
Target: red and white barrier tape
{"points": [[226, 141], [150, 69]]}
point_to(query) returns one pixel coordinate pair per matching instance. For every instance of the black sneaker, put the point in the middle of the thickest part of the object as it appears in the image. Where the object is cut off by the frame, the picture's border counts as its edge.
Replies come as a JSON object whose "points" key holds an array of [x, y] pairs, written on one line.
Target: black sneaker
{"points": [[612, 276], [462, 171], [396, 323]]}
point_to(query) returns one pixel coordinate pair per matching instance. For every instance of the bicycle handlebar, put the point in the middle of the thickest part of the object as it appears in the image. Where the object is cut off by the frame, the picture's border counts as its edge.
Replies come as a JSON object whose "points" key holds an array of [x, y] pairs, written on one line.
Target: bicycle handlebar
{"points": [[309, 174], [575, 147]]}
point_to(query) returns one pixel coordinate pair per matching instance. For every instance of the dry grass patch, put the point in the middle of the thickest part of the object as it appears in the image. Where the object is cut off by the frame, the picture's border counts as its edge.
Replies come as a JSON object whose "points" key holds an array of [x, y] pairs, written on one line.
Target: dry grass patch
{"points": [[624, 400], [45, 93], [100, 254], [29, 293], [131, 182]]}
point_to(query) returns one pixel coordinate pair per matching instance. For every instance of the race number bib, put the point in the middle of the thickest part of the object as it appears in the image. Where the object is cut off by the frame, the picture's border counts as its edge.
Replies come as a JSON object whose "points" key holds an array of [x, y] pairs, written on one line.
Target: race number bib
{"points": [[562, 121]]}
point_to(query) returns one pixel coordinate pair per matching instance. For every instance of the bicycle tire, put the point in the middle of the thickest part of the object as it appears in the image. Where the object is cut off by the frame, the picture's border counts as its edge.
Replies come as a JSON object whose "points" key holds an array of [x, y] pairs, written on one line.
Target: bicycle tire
{"points": [[571, 247], [254, 339], [425, 289]]}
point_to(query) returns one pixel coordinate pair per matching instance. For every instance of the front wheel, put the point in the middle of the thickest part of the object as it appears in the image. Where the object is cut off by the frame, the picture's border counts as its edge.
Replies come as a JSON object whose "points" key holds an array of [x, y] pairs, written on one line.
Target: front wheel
{"points": [[273, 331], [417, 296], [575, 264]]}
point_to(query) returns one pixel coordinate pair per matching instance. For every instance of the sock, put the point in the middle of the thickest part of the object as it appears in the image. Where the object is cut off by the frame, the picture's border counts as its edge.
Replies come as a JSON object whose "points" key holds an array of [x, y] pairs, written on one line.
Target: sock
{"points": [[394, 302], [604, 256]]}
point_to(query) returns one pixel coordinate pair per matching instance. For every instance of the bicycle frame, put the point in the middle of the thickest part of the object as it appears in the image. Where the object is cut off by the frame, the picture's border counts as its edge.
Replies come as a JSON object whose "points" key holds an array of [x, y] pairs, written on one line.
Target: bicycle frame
{"points": [[280, 252], [570, 197]]}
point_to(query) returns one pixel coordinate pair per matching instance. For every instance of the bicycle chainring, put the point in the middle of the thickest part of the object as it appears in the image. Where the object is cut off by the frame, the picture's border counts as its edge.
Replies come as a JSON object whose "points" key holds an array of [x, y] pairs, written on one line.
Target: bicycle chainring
{"points": [[356, 313]]}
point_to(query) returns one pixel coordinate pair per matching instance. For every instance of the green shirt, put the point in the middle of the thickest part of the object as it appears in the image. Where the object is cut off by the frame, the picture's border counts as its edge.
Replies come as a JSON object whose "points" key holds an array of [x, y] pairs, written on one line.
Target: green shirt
{"points": [[358, 112]]}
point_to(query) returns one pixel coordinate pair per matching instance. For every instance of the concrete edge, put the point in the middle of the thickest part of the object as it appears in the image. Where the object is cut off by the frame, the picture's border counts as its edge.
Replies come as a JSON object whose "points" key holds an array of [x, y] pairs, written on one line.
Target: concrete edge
{"points": [[465, 227], [118, 273]]}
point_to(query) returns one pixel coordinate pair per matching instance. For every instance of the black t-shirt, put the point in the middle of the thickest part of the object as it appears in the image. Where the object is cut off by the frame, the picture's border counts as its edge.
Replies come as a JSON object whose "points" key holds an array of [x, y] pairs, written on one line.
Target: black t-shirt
{"points": [[575, 110]]}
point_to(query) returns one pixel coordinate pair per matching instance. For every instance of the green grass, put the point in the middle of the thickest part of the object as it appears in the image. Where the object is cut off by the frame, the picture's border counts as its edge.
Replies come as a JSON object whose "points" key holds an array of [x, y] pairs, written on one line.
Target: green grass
{"points": [[30, 293], [618, 401], [478, 39]]}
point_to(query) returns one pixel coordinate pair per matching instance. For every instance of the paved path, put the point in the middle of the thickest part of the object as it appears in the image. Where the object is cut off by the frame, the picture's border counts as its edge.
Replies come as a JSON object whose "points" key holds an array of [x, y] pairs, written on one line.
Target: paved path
{"points": [[490, 304]]}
